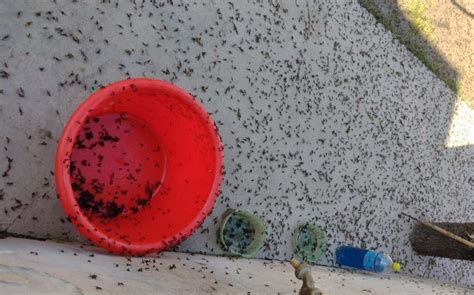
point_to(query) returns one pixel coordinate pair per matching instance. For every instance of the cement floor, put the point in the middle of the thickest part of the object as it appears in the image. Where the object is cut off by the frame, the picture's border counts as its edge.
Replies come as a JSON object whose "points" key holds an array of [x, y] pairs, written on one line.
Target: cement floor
{"points": [[324, 117]]}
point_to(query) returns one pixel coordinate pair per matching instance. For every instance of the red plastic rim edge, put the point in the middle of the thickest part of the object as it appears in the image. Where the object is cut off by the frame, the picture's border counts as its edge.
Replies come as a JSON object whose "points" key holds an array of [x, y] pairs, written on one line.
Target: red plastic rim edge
{"points": [[62, 176]]}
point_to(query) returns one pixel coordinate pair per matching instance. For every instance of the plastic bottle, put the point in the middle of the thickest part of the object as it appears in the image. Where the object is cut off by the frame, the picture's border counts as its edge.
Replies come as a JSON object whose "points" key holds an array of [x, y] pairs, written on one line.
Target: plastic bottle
{"points": [[364, 259]]}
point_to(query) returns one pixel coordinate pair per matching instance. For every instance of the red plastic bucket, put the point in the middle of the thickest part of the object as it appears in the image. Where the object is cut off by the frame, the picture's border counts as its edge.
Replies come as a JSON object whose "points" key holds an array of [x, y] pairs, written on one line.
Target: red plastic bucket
{"points": [[138, 166]]}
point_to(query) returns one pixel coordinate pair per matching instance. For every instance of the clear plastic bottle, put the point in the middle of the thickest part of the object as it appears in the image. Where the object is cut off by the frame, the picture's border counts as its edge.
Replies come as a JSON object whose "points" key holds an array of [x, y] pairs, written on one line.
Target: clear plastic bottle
{"points": [[364, 259]]}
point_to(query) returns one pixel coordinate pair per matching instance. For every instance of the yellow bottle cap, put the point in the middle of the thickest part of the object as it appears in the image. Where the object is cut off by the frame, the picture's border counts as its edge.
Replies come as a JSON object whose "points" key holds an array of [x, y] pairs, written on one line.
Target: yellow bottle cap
{"points": [[396, 266]]}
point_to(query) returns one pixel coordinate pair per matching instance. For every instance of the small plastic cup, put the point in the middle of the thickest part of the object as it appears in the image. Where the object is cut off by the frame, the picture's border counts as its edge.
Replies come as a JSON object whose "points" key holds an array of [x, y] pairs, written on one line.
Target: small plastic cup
{"points": [[138, 166], [241, 233], [309, 242]]}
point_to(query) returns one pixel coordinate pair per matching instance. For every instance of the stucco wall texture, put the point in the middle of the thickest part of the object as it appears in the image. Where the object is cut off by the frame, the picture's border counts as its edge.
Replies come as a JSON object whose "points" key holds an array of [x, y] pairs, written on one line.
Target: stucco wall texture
{"points": [[324, 117]]}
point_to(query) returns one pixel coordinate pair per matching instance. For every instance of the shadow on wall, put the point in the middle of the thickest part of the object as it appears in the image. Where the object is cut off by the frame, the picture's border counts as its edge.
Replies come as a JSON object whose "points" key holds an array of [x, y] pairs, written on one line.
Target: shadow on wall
{"points": [[462, 8], [412, 32]]}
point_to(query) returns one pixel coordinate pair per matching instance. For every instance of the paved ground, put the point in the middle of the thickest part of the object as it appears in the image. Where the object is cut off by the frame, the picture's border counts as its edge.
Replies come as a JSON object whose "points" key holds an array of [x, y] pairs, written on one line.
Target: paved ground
{"points": [[323, 115], [441, 33], [33, 267]]}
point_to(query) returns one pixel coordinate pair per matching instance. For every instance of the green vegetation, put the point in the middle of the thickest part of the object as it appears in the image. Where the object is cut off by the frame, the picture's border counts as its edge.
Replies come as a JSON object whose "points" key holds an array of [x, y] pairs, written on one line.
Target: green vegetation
{"points": [[423, 26]]}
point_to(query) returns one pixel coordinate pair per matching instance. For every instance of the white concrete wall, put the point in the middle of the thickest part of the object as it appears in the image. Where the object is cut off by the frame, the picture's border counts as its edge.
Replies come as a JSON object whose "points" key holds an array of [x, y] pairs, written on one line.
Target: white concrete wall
{"points": [[323, 115]]}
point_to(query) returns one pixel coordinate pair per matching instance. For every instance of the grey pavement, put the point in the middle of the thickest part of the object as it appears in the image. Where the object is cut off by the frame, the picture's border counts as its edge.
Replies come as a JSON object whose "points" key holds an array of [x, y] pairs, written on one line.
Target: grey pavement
{"points": [[324, 117]]}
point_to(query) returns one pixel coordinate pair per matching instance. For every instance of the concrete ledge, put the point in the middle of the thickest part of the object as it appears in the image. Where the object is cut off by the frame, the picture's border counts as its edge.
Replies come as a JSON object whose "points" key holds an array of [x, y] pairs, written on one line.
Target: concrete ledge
{"points": [[37, 267]]}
